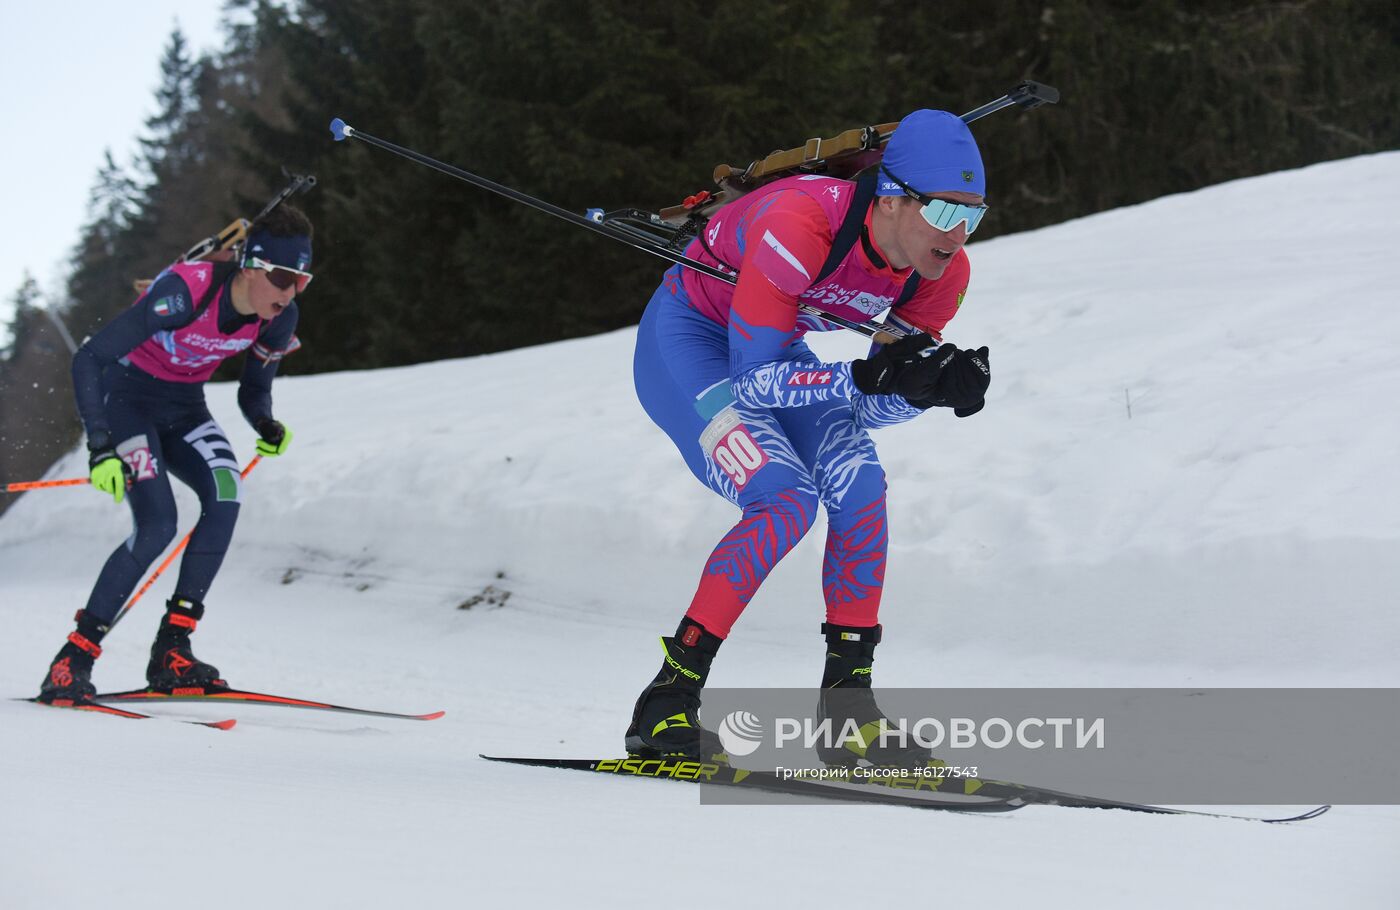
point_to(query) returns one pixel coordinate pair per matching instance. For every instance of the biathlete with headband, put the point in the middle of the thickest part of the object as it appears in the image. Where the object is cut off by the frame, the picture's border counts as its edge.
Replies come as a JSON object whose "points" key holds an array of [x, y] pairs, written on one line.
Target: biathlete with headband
{"points": [[139, 384]]}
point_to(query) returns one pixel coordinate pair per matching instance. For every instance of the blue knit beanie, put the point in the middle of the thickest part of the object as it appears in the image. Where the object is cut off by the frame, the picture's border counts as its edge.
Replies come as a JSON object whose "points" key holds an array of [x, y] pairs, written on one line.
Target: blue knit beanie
{"points": [[932, 152]]}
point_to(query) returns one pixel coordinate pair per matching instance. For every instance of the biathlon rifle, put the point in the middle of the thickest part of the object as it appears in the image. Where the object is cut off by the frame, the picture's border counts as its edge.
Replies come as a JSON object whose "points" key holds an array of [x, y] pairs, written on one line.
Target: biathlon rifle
{"points": [[224, 246]]}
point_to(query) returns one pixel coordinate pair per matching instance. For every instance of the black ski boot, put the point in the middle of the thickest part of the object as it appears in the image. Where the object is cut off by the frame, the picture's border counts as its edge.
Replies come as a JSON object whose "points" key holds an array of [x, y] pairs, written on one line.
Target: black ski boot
{"points": [[848, 702], [70, 675], [173, 665], [666, 720]]}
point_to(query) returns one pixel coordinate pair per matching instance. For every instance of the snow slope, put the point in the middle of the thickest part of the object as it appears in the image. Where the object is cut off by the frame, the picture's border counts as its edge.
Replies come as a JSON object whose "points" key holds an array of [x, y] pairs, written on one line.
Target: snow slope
{"points": [[1238, 529]]}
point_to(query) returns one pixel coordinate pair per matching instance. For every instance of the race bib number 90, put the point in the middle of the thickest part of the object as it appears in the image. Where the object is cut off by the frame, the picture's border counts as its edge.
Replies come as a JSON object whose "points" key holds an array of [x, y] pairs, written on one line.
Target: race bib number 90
{"points": [[732, 448]]}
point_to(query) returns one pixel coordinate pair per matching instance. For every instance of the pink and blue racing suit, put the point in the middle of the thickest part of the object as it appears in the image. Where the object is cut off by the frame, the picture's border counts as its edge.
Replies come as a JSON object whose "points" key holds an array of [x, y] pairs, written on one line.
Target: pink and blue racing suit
{"points": [[139, 384], [758, 418]]}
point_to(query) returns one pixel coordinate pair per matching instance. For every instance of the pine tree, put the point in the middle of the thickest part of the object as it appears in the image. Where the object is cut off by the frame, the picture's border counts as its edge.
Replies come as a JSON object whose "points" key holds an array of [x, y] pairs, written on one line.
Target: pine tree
{"points": [[105, 259], [181, 195], [37, 423], [23, 304], [164, 151]]}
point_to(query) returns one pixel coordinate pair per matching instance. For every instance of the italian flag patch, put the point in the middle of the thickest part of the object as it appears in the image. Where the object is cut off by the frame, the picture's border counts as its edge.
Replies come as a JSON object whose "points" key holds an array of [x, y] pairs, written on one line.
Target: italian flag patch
{"points": [[226, 484]]}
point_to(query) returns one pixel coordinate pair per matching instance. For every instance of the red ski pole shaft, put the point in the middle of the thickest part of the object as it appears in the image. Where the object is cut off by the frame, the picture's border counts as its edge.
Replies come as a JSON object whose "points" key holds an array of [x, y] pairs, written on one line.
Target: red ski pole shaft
{"points": [[165, 563], [44, 484]]}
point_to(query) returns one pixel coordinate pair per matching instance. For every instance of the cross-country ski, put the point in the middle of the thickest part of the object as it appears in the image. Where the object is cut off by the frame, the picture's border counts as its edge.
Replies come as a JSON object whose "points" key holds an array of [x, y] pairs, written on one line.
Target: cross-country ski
{"points": [[558, 455]]}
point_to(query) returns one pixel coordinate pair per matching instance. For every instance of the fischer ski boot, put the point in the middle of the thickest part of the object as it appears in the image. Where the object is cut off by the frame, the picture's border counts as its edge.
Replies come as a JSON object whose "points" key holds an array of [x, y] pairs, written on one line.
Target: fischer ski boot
{"points": [[857, 723], [70, 675], [173, 665], [666, 719]]}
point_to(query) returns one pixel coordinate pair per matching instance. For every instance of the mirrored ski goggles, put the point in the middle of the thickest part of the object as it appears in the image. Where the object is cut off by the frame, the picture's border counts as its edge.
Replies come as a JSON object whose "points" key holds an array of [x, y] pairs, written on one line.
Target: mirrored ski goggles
{"points": [[945, 215], [941, 213], [281, 276]]}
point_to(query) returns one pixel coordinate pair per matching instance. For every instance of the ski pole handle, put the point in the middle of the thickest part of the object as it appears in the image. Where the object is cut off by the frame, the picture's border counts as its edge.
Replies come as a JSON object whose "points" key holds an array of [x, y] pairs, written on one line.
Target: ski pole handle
{"points": [[45, 484]]}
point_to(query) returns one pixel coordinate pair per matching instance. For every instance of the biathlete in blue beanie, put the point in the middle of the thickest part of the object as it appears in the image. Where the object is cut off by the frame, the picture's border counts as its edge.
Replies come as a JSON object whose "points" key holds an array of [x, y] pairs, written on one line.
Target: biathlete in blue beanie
{"points": [[761, 421]]}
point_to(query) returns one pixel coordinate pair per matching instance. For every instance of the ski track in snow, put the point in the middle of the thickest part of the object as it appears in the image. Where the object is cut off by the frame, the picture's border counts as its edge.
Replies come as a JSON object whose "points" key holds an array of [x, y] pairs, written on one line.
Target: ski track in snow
{"points": [[1238, 530]]}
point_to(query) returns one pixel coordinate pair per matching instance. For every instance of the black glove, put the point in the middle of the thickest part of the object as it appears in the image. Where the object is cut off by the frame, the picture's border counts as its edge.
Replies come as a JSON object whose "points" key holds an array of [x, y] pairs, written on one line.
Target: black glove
{"points": [[921, 380], [961, 384], [270, 430], [968, 412], [878, 374]]}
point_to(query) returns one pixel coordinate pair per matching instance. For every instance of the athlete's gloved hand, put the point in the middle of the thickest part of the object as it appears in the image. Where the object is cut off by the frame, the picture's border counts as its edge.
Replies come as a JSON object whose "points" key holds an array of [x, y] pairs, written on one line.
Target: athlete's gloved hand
{"points": [[920, 380], [880, 373], [961, 384], [968, 412], [108, 473], [274, 437]]}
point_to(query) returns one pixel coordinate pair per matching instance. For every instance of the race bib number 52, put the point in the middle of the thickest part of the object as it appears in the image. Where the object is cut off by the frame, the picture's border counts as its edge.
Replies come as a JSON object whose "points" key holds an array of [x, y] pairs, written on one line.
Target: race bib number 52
{"points": [[136, 452]]}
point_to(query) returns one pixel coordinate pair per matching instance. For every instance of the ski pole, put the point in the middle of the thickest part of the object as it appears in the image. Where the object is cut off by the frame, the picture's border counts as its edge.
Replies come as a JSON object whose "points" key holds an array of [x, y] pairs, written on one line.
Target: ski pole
{"points": [[1027, 94], [165, 564], [343, 130], [44, 484]]}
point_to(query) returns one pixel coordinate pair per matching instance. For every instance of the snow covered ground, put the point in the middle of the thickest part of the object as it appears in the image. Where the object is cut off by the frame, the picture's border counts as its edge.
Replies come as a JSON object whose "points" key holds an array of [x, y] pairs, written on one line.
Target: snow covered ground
{"points": [[1239, 529]]}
